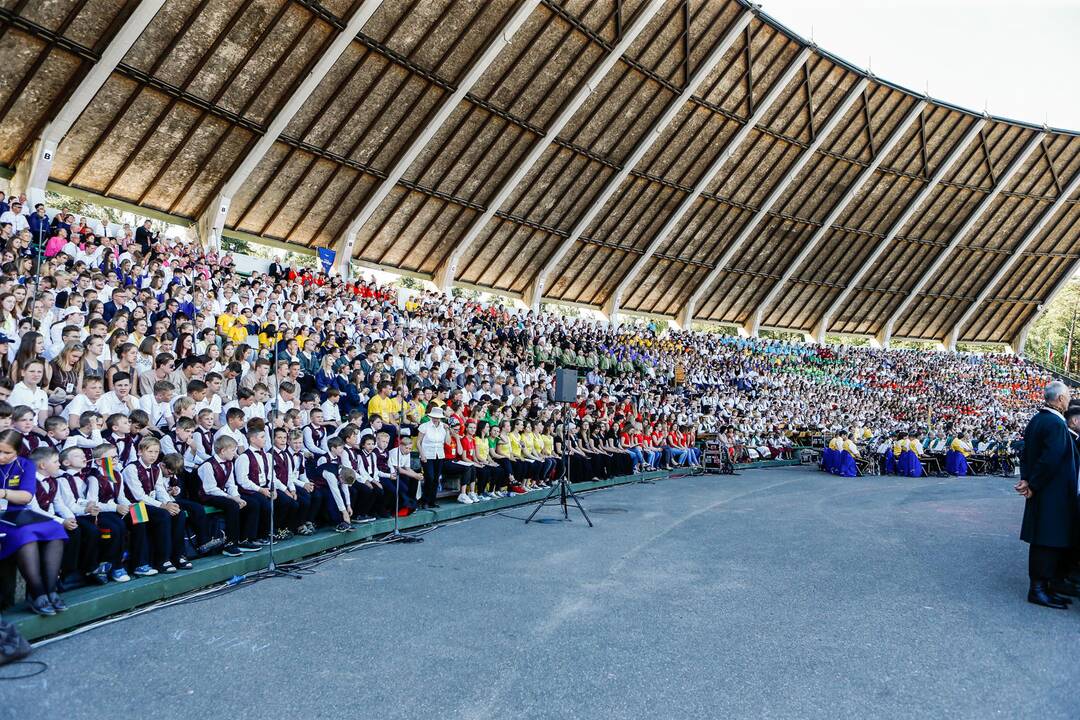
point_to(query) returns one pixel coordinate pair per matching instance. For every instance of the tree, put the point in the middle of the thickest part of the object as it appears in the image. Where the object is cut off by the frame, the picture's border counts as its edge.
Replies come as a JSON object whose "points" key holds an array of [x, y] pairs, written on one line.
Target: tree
{"points": [[1053, 327]]}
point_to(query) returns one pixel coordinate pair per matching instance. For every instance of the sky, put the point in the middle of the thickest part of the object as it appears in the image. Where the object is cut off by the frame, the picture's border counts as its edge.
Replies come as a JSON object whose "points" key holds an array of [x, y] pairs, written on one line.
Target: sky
{"points": [[1014, 59]]}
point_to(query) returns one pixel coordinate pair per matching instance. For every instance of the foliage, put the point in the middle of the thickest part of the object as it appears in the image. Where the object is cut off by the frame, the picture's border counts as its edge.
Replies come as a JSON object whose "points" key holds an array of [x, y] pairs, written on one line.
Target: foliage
{"points": [[855, 340], [1053, 327], [459, 292], [408, 283], [235, 245], [82, 208], [711, 328], [784, 335]]}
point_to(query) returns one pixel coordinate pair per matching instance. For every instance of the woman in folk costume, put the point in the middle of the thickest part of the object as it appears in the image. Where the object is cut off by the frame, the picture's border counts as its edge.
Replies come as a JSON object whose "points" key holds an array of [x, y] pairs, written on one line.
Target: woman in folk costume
{"points": [[845, 466], [911, 450], [830, 455], [956, 458]]}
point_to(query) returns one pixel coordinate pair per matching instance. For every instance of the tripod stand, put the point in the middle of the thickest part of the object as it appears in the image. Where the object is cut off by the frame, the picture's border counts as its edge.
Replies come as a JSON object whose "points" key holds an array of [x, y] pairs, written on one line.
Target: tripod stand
{"points": [[562, 486]]}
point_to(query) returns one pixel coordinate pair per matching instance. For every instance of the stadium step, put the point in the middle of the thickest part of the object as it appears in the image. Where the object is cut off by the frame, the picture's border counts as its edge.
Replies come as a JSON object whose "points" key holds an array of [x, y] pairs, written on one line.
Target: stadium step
{"points": [[90, 604]]}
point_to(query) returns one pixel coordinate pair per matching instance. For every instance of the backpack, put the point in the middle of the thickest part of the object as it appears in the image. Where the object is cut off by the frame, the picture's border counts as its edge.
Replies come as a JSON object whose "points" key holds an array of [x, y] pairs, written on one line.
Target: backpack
{"points": [[13, 646]]}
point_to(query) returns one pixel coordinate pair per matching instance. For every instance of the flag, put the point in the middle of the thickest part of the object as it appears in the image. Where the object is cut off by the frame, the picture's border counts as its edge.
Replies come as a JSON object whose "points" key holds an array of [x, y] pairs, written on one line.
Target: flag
{"points": [[108, 468], [138, 513], [106, 533], [1049, 351], [326, 258]]}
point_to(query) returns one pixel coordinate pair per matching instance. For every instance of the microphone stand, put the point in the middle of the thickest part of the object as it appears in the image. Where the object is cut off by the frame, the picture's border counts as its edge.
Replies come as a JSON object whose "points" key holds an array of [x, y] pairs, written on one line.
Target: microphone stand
{"points": [[396, 535]]}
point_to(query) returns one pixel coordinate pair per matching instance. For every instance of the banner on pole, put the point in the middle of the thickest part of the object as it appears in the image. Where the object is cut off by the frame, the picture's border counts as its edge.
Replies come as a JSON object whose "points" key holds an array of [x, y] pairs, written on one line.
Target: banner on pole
{"points": [[326, 258]]}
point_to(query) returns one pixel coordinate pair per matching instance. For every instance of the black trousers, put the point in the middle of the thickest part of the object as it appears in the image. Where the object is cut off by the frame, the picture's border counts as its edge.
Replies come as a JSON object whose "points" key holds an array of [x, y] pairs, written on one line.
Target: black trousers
{"points": [[285, 511], [81, 549], [432, 471], [455, 469], [240, 524], [260, 506], [111, 548], [369, 500], [196, 520], [305, 509], [1045, 562], [166, 535]]}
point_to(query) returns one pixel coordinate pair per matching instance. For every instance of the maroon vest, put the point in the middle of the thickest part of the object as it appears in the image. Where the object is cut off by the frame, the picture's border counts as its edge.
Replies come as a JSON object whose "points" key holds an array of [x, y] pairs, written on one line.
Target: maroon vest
{"points": [[222, 472], [148, 476], [46, 492], [109, 489], [257, 461], [281, 465], [73, 482], [206, 437]]}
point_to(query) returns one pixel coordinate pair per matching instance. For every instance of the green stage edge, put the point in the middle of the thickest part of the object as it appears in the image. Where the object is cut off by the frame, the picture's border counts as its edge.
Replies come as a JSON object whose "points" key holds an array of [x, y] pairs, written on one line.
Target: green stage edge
{"points": [[89, 604]]}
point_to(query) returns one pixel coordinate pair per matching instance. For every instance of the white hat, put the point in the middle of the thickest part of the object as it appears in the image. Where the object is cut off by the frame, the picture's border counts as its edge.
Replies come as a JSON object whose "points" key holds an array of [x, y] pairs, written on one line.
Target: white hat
{"points": [[436, 412]]}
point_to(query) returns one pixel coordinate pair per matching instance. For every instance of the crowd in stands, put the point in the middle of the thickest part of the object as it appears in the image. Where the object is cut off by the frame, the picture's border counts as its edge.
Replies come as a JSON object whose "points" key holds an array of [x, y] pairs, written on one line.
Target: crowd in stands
{"points": [[150, 394]]}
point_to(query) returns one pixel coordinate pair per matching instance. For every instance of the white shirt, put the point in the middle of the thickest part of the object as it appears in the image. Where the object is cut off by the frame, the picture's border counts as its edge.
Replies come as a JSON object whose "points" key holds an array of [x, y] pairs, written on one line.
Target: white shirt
{"points": [[18, 221], [432, 439], [110, 404], [36, 399]]}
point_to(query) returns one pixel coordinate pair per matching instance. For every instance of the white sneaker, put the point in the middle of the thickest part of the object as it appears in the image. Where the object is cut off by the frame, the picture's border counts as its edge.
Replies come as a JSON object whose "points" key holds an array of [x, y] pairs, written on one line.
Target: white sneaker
{"points": [[474, 497], [464, 499]]}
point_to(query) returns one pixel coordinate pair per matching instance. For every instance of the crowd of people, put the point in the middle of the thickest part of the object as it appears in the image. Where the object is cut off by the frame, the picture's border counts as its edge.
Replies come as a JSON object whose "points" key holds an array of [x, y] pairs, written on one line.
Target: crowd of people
{"points": [[150, 394]]}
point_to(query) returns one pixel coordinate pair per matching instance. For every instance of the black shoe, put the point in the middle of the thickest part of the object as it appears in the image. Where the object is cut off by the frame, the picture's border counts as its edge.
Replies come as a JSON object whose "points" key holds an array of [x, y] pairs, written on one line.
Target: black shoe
{"points": [[248, 546], [1037, 595], [1064, 588], [1060, 598], [231, 550], [183, 563]]}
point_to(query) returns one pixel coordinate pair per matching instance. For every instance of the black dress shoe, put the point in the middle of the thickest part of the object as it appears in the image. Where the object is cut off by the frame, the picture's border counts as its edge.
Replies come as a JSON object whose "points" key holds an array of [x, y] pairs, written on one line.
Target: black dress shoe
{"points": [[1039, 596], [1063, 588]]}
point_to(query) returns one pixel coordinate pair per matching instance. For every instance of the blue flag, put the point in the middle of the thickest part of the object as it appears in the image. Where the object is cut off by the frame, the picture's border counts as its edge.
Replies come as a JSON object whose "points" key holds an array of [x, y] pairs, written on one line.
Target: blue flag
{"points": [[326, 257]]}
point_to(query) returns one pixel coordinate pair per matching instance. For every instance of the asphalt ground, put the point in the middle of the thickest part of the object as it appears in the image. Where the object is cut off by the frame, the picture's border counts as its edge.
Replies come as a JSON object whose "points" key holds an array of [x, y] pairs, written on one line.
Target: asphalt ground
{"points": [[781, 593]]}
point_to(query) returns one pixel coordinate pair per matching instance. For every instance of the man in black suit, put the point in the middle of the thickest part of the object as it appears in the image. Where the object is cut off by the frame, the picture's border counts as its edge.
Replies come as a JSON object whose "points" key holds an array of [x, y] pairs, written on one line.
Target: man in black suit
{"points": [[1048, 479], [144, 238], [276, 271]]}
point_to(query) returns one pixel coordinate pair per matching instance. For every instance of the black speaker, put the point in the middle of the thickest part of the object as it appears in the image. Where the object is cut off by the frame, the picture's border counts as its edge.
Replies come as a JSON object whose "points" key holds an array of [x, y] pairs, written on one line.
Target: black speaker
{"points": [[565, 385]]}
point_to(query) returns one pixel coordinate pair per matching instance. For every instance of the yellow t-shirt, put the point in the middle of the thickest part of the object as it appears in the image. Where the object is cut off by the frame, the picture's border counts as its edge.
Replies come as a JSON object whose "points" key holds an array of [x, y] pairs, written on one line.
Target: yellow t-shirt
{"points": [[529, 443], [549, 444], [387, 408], [960, 446], [503, 447], [515, 443], [482, 449]]}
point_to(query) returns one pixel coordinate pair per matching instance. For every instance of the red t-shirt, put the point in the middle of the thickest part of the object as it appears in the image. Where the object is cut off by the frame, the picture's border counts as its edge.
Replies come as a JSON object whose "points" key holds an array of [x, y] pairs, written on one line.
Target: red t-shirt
{"points": [[468, 447]]}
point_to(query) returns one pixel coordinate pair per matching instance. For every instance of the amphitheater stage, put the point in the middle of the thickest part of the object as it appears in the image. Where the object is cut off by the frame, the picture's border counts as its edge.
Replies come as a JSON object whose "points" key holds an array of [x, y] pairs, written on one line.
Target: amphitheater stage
{"points": [[778, 593]]}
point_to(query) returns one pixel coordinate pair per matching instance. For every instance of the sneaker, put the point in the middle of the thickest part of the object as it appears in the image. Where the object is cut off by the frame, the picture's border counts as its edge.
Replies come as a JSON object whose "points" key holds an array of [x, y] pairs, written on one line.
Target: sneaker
{"points": [[42, 606], [248, 546], [474, 497], [305, 529], [183, 563], [231, 550], [57, 602], [145, 571], [343, 527], [120, 575], [403, 512], [100, 574], [464, 499], [517, 490], [363, 519], [261, 542], [166, 567]]}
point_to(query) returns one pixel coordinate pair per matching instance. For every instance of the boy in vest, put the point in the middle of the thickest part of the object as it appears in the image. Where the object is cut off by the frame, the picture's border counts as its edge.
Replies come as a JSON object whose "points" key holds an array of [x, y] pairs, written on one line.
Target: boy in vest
{"points": [[370, 495], [333, 482], [315, 442], [303, 486], [254, 478], [80, 493], [289, 508], [144, 481], [218, 489], [50, 501], [111, 498], [234, 421]]}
